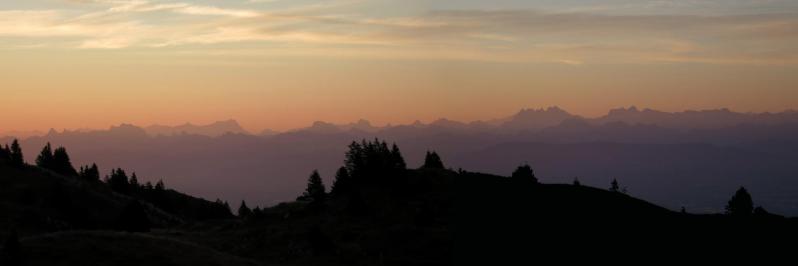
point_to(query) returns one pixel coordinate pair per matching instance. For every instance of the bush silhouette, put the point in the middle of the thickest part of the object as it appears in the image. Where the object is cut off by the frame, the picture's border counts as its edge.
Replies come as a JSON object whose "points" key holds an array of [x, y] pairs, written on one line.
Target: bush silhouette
{"points": [[525, 173], [741, 204]]}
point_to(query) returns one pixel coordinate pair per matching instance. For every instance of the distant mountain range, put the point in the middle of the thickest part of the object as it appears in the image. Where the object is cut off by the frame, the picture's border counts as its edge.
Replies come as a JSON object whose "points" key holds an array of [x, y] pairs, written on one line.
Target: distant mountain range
{"points": [[524, 120], [694, 154], [212, 130]]}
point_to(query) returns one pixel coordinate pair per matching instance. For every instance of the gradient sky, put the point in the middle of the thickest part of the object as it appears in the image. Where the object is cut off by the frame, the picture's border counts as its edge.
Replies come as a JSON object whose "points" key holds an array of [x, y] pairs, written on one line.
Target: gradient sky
{"points": [[283, 64]]}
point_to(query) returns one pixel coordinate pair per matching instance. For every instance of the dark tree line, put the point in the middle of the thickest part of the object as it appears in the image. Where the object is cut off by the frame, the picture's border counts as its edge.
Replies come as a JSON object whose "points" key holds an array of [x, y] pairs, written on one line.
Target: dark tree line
{"points": [[89, 173]]}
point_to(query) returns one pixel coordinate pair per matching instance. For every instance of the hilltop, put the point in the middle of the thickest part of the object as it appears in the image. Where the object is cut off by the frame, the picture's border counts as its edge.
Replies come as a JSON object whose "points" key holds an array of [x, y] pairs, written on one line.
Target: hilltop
{"points": [[377, 211]]}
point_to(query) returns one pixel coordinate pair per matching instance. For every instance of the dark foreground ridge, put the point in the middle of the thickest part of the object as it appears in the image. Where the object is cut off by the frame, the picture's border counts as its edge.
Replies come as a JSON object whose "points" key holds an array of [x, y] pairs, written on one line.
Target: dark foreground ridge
{"points": [[377, 212]]}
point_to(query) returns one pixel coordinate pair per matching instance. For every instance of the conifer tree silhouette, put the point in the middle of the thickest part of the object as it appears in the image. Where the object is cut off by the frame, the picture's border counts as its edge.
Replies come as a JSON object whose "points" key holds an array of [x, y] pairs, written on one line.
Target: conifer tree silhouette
{"points": [[396, 158], [134, 183], [5, 155], [343, 182], [159, 186], [118, 181], [45, 158], [433, 161], [16, 157], [315, 191], [61, 163], [369, 161], [614, 187], [243, 210], [89, 173]]}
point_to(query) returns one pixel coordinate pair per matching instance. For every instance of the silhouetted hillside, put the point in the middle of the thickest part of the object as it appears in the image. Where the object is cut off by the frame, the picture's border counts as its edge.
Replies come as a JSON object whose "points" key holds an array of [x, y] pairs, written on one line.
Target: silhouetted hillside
{"points": [[263, 169], [377, 211], [35, 200]]}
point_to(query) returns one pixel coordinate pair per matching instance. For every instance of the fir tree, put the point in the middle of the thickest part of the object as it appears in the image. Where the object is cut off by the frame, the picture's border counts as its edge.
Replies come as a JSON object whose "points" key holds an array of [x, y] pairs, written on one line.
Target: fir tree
{"points": [[5, 155], [159, 186], [61, 163], [614, 187], [45, 158], [89, 173], [315, 191], [134, 183], [433, 161], [118, 181], [17, 159], [243, 210], [343, 182]]}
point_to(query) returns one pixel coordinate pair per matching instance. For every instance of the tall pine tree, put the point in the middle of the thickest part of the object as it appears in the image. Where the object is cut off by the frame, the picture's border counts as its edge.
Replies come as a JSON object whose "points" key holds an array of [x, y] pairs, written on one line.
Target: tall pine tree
{"points": [[118, 181], [61, 163], [45, 158], [243, 210], [17, 159], [432, 161], [315, 191]]}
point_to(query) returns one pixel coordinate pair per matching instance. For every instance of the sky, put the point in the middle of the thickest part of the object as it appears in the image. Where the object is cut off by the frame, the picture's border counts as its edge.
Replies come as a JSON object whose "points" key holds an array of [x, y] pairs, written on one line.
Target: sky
{"points": [[282, 64]]}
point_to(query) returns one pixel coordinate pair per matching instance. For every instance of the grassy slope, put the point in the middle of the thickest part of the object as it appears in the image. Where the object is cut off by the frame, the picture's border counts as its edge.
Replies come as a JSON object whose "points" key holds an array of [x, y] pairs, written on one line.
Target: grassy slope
{"points": [[120, 249], [431, 217], [37, 201]]}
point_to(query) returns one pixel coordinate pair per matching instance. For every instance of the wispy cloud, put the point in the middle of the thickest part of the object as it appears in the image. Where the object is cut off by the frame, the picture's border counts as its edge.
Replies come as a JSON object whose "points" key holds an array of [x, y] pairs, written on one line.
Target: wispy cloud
{"points": [[572, 38]]}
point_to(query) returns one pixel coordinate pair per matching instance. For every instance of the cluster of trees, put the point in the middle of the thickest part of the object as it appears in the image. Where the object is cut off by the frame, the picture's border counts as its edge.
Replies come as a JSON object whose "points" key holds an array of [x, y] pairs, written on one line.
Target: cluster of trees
{"points": [[56, 160], [244, 212], [12, 155], [366, 162], [373, 160], [119, 181], [90, 173]]}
